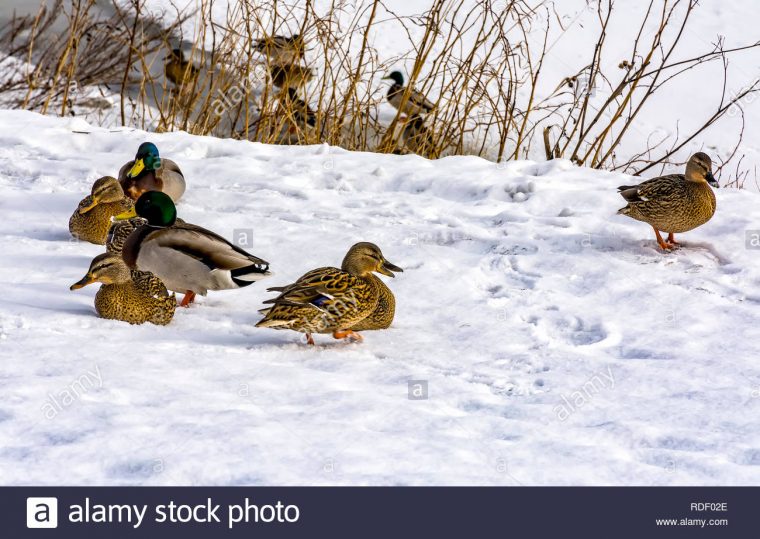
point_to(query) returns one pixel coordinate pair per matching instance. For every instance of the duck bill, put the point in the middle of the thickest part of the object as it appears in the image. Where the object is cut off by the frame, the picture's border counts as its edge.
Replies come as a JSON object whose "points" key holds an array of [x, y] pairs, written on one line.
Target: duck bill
{"points": [[91, 205], [84, 281], [126, 215], [136, 169], [387, 268], [711, 180]]}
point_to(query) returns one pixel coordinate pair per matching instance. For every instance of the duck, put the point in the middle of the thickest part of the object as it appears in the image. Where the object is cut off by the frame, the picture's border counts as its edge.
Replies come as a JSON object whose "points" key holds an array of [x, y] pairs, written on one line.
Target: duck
{"points": [[416, 103], [674, 203], [290, 75], [92, 218], [341, 301], [417, 137], [281, 49], [180, 71], [149, 172], [188, 258], [128, 295]]}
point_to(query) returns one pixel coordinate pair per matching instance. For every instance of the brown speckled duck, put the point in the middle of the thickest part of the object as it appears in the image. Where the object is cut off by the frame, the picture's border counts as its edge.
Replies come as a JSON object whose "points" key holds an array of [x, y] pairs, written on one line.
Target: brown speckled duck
{"points": [[92, 218], [675, 203], [180, 71], [282, 49], [149, 172], [130, 296], [338, 301]]}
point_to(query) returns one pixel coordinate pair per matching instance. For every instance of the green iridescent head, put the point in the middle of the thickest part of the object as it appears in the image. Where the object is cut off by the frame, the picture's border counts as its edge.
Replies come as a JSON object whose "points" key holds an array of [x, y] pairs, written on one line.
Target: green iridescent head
{"points": [[156, 207], [147, 159]]}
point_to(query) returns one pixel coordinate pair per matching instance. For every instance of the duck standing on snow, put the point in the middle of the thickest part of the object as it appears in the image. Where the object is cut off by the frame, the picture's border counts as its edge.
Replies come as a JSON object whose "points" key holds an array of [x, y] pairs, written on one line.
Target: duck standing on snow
{"points": [[186, 257], [416, 104], [130, 296], [149, 172], [675, 203], [92, 218], [338, 301]]}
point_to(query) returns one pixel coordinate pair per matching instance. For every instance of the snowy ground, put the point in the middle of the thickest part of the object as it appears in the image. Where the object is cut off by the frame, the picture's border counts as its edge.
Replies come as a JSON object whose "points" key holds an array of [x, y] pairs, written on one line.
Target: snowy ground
{"points": [[559, 345]]}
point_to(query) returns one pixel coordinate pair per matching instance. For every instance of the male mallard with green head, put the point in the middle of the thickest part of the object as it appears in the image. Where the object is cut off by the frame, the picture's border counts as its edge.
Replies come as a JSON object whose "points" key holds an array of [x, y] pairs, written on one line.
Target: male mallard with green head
{"points": [[92, 218], [130, 296], [338, 301], [149, 172], [675, 203], [416, 103], [186, 257]]}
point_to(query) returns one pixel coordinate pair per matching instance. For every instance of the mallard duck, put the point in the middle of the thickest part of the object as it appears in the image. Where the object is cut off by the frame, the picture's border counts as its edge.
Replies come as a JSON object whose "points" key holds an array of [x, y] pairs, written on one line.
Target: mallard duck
{"points": [[302, 114], [92, 218], [290, 75], [281, 49], [675, 203], [180, 71], [338, 301], [416, 136], [186, 257], [130, 296], [415, 105], [149, 172]]}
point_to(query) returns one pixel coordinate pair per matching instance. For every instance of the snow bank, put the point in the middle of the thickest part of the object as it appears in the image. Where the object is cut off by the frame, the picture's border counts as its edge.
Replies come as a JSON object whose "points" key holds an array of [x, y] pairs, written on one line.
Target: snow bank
{"points": [[559, 346]]}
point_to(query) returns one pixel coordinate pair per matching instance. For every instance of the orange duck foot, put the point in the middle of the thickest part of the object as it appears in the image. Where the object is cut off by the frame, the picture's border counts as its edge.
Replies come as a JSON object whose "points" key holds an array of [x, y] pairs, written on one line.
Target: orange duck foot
{"points": [[309, 339], [188, 299], [672, 239], [665, 245], [348, 334]]}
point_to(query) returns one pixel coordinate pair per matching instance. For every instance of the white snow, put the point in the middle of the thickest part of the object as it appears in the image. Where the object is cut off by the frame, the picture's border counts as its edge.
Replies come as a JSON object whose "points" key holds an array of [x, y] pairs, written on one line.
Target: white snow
{"points": [[523, 293]]}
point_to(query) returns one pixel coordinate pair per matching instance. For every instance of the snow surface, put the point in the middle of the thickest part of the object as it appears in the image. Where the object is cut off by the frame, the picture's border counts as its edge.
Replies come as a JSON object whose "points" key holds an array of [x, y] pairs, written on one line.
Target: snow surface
{"points": [[559, 344]]}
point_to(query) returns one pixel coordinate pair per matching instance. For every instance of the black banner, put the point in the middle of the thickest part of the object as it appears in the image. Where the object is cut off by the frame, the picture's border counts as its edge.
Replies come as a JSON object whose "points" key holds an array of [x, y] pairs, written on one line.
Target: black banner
{"points": [[382, 512]]}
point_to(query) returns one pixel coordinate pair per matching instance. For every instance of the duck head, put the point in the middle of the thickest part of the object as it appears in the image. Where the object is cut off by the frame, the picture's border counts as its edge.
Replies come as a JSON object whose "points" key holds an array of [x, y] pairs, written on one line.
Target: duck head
{"points": [[108, 268], [699, 169], [364, 258], [396, 76], [146, 159], [105, 190], [155, 207]]}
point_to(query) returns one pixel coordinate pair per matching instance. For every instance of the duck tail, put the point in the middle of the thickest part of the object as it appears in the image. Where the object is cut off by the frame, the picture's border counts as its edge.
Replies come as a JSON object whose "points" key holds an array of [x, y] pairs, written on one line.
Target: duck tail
{"points": [[250, 274]]}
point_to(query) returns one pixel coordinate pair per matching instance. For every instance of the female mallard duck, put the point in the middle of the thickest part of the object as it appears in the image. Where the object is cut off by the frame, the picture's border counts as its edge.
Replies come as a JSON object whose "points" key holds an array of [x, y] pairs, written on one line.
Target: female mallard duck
{"points": [[290, 75], [281, 49], [92, 218], [186, 257], [130, 296], [416, 103], [675, 203], [338, 301], [180, 71], [148, 172]]}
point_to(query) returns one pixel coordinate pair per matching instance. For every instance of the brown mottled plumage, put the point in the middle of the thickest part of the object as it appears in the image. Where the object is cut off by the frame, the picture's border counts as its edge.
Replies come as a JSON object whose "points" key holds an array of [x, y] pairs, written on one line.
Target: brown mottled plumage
{"points": [[337, 301], [290, 75], [130, 296], [92, 218], [179, 71], [382, 316], [281, 49], [675, 203]]}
